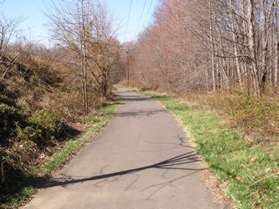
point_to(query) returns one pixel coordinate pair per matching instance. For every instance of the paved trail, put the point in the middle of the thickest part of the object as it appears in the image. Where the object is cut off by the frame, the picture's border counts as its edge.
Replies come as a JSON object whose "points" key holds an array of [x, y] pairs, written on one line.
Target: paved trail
{"points": [[142, 160]]}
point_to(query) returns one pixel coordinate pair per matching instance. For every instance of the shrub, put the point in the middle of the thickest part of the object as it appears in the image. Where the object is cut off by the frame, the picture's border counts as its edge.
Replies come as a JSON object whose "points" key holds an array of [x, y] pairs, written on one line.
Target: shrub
{"points": [[22, 154], [68, 105], [24, 105], [254, 115], [28, 133], [6, 100], [51, 124], [10, 117], [16, 162]]}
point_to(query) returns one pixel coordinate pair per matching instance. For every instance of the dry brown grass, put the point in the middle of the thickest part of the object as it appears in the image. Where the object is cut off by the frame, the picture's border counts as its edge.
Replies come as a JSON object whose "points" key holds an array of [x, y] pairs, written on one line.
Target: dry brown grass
{"points": [[256, 117]]}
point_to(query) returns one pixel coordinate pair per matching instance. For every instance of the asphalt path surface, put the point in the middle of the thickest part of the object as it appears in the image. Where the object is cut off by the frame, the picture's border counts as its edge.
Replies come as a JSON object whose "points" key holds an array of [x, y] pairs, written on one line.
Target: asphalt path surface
{"points": [[142, 160]]}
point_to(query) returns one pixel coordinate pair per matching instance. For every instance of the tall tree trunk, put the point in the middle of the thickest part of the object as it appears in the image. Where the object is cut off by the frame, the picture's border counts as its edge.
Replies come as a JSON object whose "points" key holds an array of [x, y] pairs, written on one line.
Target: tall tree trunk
{"points": [[211, 17], [83, 51], [263, 46], [235, 46], [276, 48], [251, 44]]}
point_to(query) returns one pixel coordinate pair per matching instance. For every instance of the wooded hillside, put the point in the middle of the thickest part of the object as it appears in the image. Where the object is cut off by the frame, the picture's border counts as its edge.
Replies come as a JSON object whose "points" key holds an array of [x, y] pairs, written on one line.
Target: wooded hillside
{"points": [[47, 93]]}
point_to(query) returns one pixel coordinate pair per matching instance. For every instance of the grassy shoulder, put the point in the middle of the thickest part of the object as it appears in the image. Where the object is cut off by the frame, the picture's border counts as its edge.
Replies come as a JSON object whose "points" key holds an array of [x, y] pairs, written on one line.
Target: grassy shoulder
{"points": [[27, 185], [251, 175]]}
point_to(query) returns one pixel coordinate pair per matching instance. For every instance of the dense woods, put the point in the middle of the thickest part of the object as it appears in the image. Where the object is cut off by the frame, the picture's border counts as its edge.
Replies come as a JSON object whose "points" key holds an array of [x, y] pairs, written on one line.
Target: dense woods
{"points": [[212, 46]]}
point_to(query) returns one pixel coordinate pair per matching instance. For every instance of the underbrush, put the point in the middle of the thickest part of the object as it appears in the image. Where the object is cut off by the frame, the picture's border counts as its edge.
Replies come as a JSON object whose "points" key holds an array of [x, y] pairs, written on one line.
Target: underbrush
{"points": [[67, 104], [41, 115], [24, 139], [36, 145], [256, 117], [251, 175]]}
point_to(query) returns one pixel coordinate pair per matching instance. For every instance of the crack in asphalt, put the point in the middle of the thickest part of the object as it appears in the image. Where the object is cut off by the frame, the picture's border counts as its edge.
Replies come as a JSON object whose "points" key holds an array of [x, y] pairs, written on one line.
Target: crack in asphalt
{"points": [[131, 184], [164, 184]]}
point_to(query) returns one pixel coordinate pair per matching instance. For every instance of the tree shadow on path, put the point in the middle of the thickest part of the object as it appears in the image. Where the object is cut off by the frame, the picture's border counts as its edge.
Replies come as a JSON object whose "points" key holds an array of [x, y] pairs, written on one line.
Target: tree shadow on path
{"points": [[175, 163]]}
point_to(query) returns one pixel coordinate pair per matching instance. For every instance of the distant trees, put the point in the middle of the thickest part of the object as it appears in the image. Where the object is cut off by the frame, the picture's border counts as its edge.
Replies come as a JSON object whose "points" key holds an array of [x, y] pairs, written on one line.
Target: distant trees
{"points": [[218, 45]]}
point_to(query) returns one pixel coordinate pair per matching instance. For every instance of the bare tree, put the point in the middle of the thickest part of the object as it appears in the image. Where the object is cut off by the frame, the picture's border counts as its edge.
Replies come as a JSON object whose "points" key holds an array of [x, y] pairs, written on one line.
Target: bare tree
{"points": [[7, 32], [221, 45], [83, 27]]}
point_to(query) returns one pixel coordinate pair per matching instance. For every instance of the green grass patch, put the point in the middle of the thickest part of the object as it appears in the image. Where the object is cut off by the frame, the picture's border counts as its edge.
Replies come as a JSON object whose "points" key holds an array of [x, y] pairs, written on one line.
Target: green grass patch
{"points": [[70, 147], [251, 175]]}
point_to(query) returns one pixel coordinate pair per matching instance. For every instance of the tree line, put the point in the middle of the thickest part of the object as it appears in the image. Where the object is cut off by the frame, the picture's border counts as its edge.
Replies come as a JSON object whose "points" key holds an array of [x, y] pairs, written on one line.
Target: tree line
{"points": [[210, 46]]}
